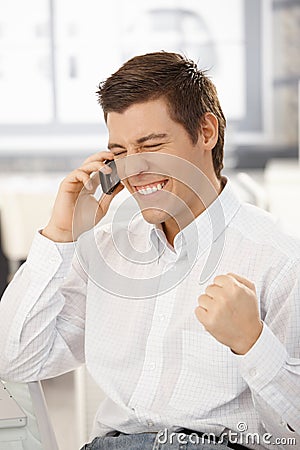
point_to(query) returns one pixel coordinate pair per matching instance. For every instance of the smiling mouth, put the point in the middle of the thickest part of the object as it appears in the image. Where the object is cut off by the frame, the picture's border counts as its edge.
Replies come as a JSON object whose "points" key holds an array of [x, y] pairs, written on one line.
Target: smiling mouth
{"points": [[151, 188]]}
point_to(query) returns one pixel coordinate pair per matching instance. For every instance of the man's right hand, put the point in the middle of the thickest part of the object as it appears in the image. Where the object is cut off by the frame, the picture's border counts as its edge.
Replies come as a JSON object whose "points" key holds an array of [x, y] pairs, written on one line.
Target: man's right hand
{"points": [[75, 209]]}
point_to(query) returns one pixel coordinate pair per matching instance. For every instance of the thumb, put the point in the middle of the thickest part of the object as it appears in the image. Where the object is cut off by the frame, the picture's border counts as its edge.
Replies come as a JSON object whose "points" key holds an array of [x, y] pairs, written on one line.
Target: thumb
{"points": [[106, 199], [243, 281]]}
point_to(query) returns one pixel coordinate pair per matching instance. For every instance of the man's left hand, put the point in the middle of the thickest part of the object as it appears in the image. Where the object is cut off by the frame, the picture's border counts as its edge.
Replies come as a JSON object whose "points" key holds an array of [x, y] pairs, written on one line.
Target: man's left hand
{"points": [[229, 311]]}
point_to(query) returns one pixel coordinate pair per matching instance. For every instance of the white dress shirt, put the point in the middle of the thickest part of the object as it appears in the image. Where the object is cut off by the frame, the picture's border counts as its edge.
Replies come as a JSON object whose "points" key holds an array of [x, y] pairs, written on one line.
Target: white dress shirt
{"points": [[123, 302]]}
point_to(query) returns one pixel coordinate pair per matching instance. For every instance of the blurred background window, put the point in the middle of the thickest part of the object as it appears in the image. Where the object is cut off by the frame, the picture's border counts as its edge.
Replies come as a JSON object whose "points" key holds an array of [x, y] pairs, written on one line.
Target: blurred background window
{"points": [[25, 62], [53, 54]]}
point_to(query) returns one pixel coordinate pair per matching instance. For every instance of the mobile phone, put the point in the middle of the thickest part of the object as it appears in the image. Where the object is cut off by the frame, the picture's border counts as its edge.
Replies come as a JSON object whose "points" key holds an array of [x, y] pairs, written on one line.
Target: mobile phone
{"points": [[109, 181]]}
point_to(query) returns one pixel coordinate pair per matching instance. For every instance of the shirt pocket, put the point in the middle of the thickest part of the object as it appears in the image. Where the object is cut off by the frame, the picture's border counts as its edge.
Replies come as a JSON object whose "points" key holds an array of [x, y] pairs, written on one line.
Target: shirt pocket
{"points": [[209, 380]]}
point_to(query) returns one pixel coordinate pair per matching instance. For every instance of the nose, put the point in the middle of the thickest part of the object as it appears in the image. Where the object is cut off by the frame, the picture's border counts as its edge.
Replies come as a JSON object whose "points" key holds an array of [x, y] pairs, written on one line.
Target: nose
{"points": [[132, 164]]}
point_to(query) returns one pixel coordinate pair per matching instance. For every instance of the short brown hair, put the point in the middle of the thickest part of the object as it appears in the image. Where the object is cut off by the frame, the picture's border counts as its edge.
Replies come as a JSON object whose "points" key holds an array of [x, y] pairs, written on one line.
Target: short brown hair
{"points": [[188, 91]]}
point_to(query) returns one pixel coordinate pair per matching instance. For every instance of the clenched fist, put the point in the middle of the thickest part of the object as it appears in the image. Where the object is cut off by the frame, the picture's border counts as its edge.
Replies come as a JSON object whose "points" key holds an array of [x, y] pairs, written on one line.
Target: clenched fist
{"points": [[229, 311]]}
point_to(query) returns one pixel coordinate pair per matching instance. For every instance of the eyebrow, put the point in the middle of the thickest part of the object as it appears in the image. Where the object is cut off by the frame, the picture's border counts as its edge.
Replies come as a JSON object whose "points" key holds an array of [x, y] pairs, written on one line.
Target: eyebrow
{"points": [[142, 140]]}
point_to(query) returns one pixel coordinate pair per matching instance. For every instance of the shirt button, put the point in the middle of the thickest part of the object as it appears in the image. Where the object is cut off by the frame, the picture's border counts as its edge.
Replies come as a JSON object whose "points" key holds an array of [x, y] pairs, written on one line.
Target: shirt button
{"points": [[162, 317], [253, 372], [282, 423], [151, 366], [150, 424]]}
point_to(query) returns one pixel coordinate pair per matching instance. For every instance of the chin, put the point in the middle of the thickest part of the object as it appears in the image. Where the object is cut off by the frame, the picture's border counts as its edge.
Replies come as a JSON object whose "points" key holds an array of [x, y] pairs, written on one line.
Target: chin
{"points": [[155, 216]]}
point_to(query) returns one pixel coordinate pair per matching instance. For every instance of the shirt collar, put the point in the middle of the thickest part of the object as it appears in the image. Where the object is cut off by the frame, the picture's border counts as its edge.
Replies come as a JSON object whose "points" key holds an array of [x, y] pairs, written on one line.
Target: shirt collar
{"points": [[200, 234]]}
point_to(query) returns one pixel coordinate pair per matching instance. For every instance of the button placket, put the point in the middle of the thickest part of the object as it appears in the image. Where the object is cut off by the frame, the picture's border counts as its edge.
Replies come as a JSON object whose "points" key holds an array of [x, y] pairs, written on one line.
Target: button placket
{"points": [[150, 375]]}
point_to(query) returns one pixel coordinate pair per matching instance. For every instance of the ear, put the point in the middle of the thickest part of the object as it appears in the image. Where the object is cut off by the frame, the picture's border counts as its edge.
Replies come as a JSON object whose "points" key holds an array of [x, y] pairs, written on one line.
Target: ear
{"points": [[209, 129]]}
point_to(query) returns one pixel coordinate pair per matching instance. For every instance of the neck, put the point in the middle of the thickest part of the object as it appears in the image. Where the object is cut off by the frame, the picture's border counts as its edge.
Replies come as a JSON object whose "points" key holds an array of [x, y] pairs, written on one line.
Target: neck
{"points": [[173, 226]]}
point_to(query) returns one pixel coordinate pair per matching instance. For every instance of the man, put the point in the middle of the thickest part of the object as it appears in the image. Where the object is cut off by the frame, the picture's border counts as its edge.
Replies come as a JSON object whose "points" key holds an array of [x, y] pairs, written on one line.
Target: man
{"points": [[162, 310]]}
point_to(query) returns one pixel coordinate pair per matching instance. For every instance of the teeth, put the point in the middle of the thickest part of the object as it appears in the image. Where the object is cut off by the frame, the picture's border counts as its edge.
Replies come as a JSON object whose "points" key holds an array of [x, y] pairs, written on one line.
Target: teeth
{"points": [[149, 190]]}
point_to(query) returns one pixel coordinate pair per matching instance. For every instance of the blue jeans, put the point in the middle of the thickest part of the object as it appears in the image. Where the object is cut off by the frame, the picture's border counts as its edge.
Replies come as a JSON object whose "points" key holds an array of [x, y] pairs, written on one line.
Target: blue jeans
{"points": [[151, 441]]}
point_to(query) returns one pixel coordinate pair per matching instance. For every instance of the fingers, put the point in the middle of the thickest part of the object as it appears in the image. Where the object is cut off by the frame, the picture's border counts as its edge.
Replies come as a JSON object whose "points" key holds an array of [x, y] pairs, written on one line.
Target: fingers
{"points": [[213, 290], [94, 166], [231, 279], [83, 175], [201, 314], [205, 301], [78, 177], [223, 281], [224, 286], [99, 156]]}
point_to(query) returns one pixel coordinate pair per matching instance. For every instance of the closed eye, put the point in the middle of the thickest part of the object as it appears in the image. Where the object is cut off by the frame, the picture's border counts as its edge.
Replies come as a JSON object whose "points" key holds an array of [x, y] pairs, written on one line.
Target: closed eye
{"points": [[152, 146], [120, 153], [123, 152]]}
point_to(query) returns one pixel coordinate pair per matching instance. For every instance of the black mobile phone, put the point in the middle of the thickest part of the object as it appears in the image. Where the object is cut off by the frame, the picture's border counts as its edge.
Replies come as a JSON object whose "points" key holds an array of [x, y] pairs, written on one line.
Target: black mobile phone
{"points": [[109, 181]]}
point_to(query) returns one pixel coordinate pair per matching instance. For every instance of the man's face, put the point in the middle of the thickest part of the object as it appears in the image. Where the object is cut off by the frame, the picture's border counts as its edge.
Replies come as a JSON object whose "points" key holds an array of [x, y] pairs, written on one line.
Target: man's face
{"points": [[147, 145]]}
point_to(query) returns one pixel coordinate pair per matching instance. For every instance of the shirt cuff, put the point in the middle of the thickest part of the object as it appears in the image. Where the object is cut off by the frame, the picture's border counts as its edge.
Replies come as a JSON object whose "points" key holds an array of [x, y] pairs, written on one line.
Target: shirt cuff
{"points": [[50, 258], [263, 361]]}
